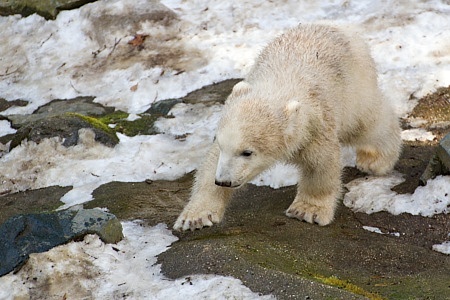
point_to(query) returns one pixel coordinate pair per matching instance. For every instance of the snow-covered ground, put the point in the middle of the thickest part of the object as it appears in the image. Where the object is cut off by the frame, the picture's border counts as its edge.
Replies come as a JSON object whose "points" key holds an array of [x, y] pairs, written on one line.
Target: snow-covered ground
{"points": [[86, 52]]}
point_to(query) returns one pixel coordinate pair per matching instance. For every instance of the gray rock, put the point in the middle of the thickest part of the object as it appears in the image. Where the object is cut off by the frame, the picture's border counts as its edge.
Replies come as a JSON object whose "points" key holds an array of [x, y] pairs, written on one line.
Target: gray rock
{"points": [[443, 152], [31, 201], [49, 9], [5, 104], [65, 126], [210, 94], [34, 233], [162, 108], [80, 105], [440, 163]]}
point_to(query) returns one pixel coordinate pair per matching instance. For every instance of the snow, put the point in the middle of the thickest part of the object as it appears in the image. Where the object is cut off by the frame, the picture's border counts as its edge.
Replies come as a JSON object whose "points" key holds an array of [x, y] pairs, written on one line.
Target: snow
{"points": [[86, 52], [5, 128], [417, 134], [372, 229], [374, 194], [443, 248], [378, 230]]}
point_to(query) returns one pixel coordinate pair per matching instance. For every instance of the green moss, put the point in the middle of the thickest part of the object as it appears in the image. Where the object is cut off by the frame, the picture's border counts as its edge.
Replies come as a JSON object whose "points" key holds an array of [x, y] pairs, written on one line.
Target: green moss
{"points": [[143, 125], [93, 121], [272, 256], [114, 117], [344, 284]]}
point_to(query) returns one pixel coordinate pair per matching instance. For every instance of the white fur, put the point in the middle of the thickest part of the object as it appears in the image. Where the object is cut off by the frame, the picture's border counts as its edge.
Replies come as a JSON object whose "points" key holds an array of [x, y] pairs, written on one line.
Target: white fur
{"points": [[310, 90]]}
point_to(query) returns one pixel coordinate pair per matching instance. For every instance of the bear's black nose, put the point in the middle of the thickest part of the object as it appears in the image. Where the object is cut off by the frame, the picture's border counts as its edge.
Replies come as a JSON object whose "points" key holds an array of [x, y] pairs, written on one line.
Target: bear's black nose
{"points": [[223, 183]]}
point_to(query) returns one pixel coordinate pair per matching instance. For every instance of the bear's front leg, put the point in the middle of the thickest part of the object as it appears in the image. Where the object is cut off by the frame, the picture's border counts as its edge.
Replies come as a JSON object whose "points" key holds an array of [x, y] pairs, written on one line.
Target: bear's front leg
{"points": [[208, 201], [319, 186]]}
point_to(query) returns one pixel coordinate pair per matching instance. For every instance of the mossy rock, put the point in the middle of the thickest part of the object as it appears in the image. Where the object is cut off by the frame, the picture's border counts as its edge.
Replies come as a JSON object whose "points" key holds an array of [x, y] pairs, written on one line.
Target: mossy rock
{"points": [[82, 105], [65, 126], [141, 126]]}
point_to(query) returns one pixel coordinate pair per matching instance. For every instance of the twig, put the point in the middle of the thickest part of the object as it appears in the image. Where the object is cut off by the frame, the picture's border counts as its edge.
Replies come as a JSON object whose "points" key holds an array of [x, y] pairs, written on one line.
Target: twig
{"points": [[74, 88], [116, 42], [9, 73], [46, 39]]}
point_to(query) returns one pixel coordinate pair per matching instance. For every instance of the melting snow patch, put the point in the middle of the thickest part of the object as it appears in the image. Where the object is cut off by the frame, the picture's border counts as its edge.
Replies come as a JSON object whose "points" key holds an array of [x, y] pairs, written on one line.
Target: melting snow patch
{"points": [[5, 128], [417, 134], [443, 248], [373, 229], [378, 230], [374, 194]]}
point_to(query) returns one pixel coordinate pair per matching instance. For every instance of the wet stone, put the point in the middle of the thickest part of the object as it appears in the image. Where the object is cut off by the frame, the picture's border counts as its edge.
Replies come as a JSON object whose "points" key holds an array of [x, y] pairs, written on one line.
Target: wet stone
{"points": [[440, 163], [22, 235]]}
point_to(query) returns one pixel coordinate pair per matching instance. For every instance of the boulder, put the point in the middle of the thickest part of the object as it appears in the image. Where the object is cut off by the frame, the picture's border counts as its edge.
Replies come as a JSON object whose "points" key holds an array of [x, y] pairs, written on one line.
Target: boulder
{"points": [[66, 127], [22, 235], [440, 163]]}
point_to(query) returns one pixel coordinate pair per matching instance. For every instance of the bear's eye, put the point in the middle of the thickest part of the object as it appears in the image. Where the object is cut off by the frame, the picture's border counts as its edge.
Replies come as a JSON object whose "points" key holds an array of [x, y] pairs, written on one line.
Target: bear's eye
{"points": [[247, 153]]}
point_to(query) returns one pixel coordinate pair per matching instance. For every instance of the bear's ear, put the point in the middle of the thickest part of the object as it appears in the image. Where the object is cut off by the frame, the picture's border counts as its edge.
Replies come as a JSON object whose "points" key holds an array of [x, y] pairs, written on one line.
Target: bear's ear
{"points": [[241, 88], [292, 107]]}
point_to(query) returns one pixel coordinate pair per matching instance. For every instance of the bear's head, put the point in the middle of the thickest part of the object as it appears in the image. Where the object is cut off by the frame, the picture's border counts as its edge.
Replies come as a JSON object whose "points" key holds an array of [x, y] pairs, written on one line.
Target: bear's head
{"points": [[252, 136]]}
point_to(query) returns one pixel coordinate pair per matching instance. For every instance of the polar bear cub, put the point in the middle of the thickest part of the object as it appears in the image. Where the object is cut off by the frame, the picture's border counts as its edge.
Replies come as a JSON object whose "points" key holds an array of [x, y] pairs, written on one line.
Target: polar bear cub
{"points": [[311, 90]]}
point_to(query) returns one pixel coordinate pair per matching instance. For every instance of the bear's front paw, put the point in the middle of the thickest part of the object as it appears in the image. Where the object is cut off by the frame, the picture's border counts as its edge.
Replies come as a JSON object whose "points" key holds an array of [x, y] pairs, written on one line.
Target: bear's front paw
{"points": [[196, 220], [311, 213]]}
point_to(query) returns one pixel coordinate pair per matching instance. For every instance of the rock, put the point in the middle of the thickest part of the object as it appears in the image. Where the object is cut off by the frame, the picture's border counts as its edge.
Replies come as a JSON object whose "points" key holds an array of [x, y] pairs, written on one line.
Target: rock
{"points": [[31, 201], [162, 108], [48, 9], [440, 163], [273, 254], [34, 233], [66, 127], [5, 104], [443, 152], [158, 201], [81, 105], [217, 92], [210, 94]]}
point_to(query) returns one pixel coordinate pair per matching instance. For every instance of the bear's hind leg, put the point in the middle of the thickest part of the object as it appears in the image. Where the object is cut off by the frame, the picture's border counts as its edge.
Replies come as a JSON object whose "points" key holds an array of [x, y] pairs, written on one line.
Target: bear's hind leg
{"points": [[380, 148], [319, 187]]}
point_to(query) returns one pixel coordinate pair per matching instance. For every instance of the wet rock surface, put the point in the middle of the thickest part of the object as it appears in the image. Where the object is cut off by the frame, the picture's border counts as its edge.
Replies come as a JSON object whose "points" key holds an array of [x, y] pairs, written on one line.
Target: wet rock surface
{"points": [[22, 235], [33, 201], [271, 253]]}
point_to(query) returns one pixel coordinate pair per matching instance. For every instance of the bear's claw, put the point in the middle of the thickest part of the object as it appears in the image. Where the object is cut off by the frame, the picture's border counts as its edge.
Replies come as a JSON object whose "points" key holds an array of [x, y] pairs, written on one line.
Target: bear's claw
{"points": [[310, 213], [195, 221]]}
